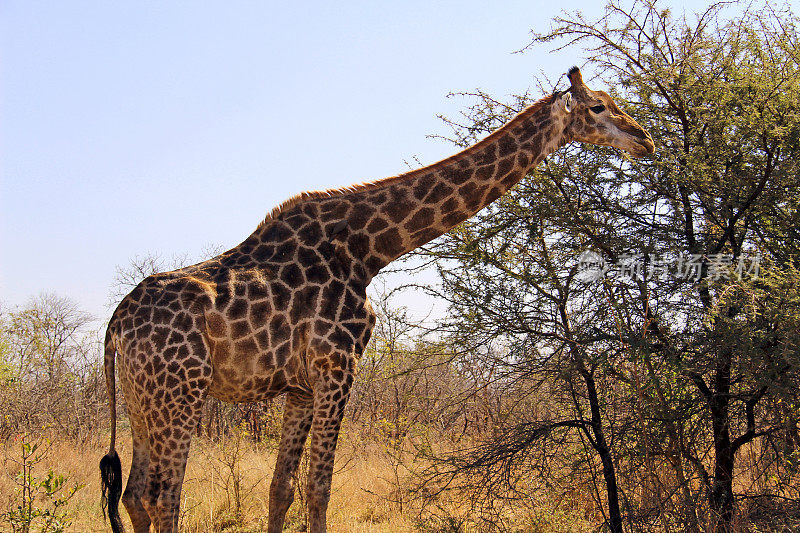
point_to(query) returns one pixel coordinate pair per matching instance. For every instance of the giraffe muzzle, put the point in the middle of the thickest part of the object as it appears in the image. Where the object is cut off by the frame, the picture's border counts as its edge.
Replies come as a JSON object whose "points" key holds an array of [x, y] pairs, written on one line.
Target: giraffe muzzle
{"points": [[641, 145], [648, 145]]}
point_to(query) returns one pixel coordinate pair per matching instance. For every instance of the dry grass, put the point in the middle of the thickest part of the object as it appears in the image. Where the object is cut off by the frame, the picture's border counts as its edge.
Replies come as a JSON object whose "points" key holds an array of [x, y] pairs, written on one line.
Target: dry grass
{"points": [[362, 498], [357, 504]]}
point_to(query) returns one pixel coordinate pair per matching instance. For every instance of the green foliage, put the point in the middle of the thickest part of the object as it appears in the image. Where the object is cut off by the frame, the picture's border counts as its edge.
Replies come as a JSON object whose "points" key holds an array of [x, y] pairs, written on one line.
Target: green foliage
{"points": [[40, 501], [7, 372], [440, 524]]}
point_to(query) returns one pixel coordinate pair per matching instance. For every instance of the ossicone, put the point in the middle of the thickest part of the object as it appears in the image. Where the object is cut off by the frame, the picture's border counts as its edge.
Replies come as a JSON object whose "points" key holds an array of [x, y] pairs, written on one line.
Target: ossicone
{"points": [[574, 75]]}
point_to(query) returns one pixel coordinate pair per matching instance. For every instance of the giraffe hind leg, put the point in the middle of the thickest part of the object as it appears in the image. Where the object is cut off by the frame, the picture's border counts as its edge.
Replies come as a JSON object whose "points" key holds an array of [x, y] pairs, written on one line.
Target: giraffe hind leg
{"points": [[137, 480], [169, 451]]}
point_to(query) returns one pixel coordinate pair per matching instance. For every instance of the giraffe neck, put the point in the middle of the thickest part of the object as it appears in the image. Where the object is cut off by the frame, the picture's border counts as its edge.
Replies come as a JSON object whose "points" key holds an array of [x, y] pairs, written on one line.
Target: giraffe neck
{"points": [[429, 202], [370, 225]]}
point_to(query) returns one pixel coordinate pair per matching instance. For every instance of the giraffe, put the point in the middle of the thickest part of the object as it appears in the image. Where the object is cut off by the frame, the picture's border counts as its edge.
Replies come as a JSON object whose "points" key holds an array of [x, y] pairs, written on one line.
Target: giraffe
{"points": [[286, 311]]}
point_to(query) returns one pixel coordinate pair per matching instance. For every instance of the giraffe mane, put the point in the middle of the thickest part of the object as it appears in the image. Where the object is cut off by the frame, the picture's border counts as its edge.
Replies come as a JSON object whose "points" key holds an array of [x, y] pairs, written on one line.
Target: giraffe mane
{"points": [[383, 182]]}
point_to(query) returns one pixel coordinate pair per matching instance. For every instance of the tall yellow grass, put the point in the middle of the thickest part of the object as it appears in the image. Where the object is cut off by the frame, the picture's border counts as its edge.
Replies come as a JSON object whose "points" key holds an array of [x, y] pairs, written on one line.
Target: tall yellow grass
{"points": [[357, 498], [363, 496]]}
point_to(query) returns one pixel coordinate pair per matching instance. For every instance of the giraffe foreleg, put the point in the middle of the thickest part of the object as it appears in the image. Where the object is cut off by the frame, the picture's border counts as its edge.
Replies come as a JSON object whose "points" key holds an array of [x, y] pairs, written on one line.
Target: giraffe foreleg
{"points": [[330, 399], [296, 424]]}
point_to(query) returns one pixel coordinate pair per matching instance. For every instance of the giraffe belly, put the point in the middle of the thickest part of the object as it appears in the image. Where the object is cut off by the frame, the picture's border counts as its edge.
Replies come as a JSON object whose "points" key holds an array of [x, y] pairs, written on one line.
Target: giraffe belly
{"points": [[243, 371]]}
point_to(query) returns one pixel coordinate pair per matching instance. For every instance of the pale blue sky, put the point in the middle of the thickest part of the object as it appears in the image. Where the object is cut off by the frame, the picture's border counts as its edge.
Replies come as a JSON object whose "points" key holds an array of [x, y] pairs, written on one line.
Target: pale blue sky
{"points": [[137, 127]]}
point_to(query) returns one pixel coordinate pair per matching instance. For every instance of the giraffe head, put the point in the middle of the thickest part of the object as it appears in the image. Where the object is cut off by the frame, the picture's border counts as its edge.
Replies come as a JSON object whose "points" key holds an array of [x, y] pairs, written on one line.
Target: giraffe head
{"points": [[593, 117]]}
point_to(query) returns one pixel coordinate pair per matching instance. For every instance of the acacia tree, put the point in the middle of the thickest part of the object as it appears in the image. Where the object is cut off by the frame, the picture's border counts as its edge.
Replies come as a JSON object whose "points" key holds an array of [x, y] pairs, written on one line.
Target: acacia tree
{"points": [[681, 359]]}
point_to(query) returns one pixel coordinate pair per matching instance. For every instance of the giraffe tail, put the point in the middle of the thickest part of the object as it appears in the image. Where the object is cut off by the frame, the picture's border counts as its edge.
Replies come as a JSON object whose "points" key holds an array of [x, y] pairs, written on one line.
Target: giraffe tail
{"points": [[110, 466]]}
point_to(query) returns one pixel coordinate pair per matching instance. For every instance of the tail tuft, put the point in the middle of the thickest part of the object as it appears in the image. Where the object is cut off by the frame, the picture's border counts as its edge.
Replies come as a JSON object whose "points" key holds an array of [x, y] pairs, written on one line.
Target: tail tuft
{"points": [[111, 481]]}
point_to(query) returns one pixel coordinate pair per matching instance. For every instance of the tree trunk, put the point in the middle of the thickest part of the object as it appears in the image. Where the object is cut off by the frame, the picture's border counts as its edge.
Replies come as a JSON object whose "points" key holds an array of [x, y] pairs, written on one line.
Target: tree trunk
{"points": [[601, 446], [722, 504], [721, 497]]}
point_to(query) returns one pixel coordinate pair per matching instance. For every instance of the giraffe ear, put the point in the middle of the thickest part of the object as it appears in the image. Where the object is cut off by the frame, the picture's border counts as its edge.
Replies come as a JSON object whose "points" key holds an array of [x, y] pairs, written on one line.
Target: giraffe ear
{"points": [[566, 101]]}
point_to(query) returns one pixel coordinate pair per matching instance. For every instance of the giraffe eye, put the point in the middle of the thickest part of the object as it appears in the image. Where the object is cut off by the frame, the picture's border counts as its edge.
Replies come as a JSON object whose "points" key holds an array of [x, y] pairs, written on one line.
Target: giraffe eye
{"points": [[598, 108]]}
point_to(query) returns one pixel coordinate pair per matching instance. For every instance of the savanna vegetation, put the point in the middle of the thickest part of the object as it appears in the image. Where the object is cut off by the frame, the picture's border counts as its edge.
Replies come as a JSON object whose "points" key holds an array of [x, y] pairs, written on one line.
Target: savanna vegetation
{"points": [[620, 351]]}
